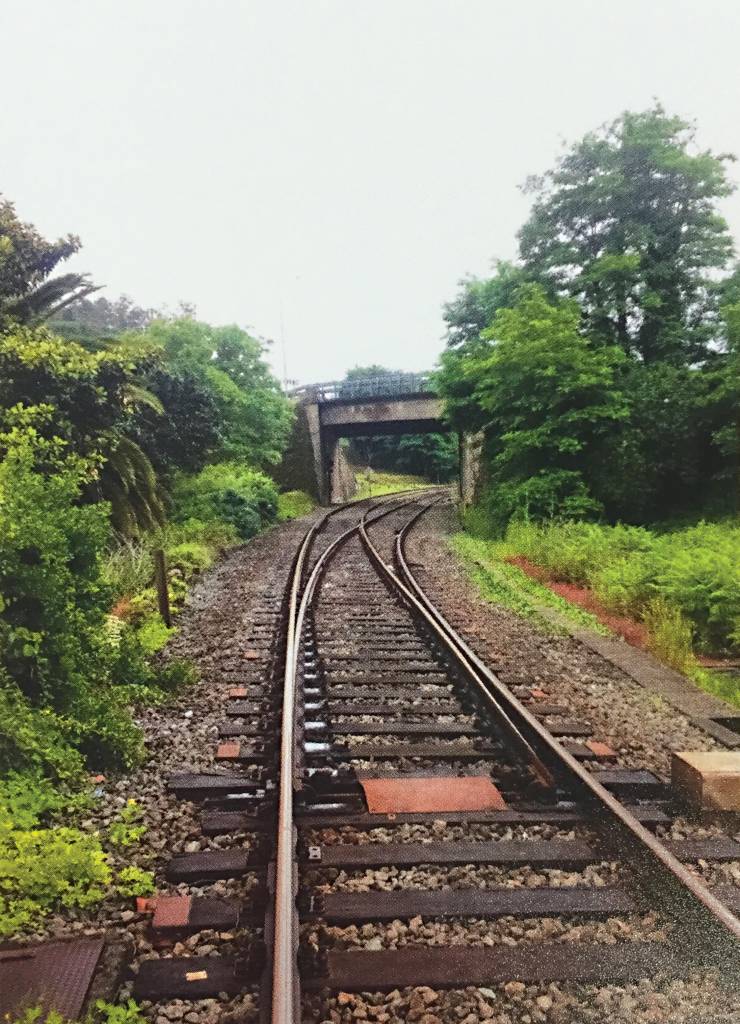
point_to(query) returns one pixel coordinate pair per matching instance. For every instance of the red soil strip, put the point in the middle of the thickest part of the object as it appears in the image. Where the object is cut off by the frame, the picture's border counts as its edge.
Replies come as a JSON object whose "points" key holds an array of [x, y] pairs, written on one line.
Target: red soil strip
{"points": [[633, 632]]}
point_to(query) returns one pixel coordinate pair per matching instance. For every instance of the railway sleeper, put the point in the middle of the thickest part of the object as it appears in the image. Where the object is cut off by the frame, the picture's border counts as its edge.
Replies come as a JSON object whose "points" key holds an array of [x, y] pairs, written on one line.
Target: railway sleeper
{"points": [[196, 977], [565, 854], [581, 901], [461, 966], [648, 815]]}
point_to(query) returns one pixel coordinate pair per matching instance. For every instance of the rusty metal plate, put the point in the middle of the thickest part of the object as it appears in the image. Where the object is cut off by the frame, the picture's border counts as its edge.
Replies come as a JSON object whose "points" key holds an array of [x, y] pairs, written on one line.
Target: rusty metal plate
{"points": [[172, 911], [56, 975], [451, 793]]}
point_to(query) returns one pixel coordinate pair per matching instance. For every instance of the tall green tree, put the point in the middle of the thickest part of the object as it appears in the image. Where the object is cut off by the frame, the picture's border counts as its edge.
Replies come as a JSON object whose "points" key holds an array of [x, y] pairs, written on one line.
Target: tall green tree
{"points": [[28, 292], [253, 415], [547, 400], [477, 302], [627, 223]]}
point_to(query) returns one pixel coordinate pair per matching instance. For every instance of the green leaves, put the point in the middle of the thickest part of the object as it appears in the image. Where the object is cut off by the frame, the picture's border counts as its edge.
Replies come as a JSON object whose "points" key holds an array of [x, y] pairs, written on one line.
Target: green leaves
{"points": [[627, 223], [546, 399]]}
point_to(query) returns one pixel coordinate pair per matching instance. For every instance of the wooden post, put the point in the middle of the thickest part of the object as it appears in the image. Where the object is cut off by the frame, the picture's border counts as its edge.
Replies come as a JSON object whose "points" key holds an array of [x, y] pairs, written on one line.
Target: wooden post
{"points": [[160, 578]]}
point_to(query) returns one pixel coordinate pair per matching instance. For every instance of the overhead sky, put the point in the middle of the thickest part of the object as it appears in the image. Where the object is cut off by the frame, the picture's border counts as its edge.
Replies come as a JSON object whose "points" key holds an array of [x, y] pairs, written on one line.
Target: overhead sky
{"points": [[324, 171]]}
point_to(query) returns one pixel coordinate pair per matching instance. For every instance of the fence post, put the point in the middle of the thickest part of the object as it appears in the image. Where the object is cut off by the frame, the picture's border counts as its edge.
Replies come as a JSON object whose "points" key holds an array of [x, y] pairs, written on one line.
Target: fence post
{"points": [[160, 577]]}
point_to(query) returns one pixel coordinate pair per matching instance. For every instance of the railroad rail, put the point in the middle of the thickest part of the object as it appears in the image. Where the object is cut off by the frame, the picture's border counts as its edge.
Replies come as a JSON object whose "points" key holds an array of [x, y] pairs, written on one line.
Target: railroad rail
{"points": [[403, 758]]}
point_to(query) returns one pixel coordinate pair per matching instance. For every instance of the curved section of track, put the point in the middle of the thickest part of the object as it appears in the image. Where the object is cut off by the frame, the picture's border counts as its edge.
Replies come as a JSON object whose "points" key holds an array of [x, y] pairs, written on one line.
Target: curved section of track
{"points": [[363, 629]]}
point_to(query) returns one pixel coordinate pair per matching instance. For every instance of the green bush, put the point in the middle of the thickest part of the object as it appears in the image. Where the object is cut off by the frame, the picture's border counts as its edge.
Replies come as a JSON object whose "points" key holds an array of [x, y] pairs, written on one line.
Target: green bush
{"points": [[245, 498], [103, 1013], [190, 557], [695, 570], [670, 635], [43, 868], [128, 568], [127, 829], [152, 634], [292, 504], [35, 739], [213, 533], [133, 881]]}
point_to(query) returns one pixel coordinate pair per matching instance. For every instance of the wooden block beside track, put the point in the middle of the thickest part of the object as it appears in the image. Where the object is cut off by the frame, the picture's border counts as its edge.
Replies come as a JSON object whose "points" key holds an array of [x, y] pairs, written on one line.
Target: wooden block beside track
{"points": [[708, 779]]}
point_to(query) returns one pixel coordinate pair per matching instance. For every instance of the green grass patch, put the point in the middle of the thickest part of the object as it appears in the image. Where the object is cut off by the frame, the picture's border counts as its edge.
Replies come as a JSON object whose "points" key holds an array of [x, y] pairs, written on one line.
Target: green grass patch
{"points": [[508, 586], [373, 482], [292, 504]]}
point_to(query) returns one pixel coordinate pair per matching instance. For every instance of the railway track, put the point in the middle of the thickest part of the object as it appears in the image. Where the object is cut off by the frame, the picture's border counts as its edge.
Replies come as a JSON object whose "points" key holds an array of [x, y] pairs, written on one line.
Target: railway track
{"points": [[419, 824]]}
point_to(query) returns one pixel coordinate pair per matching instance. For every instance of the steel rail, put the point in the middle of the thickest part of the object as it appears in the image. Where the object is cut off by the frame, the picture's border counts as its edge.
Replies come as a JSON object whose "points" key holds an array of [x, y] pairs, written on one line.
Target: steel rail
{"points": [[285, 1007], [714, 918], [514, 734]]}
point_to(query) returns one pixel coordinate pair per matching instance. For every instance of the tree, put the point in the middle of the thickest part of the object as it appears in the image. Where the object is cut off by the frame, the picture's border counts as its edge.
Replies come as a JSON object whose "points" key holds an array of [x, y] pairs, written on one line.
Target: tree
{"points": [[28, 295], [253, 416], [94, 398], [547, 400], [478, 300], [627, 223], [92, 322]]}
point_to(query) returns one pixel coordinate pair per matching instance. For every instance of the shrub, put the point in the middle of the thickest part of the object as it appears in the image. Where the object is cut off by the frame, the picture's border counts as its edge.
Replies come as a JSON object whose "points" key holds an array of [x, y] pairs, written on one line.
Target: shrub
{"points": [[128, 568], [292, 504], [104, 1013], [133, 881], [35, 739], [240, 496], [214, 533], [190, 557], [695, 570], [127, 830], [152, 634], [42, 868], [670, 635]]}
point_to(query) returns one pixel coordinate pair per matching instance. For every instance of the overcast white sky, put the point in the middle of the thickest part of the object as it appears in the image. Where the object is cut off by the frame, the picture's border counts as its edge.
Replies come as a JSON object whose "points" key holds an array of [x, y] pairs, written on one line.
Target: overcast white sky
{"points": [[348, 161]]}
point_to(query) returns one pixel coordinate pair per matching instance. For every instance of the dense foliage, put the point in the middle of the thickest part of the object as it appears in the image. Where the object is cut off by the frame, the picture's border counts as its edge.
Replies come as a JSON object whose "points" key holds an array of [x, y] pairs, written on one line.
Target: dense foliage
{"points": [[627, 223], [604, 368]]}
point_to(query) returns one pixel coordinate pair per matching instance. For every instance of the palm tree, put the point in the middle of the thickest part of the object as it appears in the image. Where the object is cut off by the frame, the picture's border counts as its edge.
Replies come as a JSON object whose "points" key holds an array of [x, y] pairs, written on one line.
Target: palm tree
{"points": [[28, 294]]}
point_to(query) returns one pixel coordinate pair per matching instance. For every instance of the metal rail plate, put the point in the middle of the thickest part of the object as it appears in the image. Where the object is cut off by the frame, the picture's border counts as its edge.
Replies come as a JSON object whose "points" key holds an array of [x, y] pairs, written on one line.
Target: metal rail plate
{"points": [[432, 794], [54, 974]]}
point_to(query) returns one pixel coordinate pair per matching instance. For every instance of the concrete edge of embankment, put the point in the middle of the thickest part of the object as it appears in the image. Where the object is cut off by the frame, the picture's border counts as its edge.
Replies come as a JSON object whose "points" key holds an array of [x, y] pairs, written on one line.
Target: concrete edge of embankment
{"points": [[703, 709]]}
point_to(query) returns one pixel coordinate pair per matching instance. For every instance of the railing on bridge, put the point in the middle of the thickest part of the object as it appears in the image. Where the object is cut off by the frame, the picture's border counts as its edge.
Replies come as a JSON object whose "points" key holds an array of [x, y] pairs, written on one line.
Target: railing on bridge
{"points": [[391, 385]]}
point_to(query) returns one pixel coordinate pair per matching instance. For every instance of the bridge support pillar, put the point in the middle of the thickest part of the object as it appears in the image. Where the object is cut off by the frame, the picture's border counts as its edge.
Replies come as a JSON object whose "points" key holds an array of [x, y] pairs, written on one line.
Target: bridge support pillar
{"points": [[321, 457], [471, 457]]}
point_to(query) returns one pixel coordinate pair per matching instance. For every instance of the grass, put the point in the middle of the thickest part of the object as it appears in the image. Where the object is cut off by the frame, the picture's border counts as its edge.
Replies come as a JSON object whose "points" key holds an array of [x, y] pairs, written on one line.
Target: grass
{"points": [[507, 585], [682, 586], [292, 504], [374, 482]]}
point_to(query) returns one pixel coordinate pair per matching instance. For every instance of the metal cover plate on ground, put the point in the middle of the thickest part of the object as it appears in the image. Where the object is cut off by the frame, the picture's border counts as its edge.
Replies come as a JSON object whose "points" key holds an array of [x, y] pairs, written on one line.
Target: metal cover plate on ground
{"points": [[434, 793], [56, 975]]}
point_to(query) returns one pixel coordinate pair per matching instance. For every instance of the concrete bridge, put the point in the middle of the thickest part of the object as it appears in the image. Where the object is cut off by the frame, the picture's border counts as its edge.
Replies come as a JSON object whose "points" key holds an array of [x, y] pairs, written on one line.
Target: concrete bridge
{"points": [[369, 406]]}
